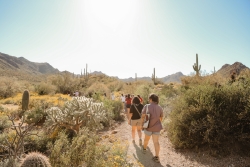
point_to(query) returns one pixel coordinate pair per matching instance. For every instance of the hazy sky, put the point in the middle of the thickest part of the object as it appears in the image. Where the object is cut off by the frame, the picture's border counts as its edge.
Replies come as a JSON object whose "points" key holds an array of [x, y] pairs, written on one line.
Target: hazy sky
{"points": [[124, 37]]}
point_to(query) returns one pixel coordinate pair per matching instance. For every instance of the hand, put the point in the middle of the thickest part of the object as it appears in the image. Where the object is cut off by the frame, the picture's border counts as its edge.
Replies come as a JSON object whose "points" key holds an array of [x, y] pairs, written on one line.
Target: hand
{"points": [[129, 122]]}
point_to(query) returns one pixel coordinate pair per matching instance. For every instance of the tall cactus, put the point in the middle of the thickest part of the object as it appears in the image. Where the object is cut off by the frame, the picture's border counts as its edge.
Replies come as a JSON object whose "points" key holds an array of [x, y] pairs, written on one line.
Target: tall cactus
{"points": [[86, 73], [153, 76], [35, 159], [135, 76], [25, 100], [196, 66]]}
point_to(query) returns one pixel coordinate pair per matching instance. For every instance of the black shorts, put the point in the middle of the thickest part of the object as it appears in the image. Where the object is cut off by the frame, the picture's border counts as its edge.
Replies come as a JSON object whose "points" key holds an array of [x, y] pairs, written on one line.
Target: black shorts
{"points": [[128, 105]]}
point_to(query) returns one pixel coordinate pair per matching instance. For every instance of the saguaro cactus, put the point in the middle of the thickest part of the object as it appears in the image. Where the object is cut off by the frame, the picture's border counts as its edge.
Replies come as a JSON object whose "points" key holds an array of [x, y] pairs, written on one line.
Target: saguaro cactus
{"points": [[196, 66], [135, 76], [153, 76], [25, 100], [86, 74], [35, 159]]}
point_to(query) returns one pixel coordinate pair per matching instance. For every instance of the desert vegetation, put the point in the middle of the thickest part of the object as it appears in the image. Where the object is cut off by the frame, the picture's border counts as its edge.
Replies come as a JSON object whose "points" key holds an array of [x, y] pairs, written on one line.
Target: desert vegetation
{"points": [[53, 128]]}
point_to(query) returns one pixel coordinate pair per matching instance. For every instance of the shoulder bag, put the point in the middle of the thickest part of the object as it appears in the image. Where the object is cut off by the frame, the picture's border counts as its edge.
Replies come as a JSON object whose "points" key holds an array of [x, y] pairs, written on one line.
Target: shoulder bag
{"points": [[146, 119]]}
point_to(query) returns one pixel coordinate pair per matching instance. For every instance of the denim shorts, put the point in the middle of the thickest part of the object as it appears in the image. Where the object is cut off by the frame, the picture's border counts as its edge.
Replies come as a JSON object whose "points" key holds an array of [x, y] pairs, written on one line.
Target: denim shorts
{"points": [[148, 133]]}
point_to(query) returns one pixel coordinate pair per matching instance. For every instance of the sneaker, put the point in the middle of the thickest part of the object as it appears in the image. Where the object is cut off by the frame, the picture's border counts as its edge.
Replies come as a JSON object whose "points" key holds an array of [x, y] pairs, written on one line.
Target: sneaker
{"points": [[156, 159], [140, 142]]}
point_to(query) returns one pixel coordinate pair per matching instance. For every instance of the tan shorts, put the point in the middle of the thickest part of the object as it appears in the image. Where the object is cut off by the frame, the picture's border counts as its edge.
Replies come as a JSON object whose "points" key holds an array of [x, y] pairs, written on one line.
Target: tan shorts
{"points": [[135, 122]]}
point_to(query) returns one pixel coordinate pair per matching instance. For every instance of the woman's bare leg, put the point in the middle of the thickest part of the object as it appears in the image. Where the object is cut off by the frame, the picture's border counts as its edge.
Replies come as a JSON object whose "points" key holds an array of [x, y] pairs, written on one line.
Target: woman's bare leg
{"points": [[133, 132], [156, 144], [146, 139], [139, 131]]}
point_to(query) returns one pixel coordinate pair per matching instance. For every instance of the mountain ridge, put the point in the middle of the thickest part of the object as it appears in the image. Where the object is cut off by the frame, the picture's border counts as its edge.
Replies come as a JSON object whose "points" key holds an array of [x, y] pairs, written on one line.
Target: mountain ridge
{"points": [[11, 65]]}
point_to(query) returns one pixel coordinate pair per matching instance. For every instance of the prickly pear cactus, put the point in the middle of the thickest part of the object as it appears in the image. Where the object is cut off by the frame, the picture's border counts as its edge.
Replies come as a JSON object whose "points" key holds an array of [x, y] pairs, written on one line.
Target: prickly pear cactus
{"points": [[25, 100], [35, 159], [80, 111]]}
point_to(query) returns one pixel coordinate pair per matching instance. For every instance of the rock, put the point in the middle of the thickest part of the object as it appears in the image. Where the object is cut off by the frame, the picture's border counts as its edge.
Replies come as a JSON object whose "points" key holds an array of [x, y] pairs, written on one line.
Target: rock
{"points": [[114, 132]]}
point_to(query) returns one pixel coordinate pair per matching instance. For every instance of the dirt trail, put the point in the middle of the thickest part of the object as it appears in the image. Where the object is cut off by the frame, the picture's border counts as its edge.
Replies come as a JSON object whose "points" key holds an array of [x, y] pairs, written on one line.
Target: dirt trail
{"points": [[171, 157]]}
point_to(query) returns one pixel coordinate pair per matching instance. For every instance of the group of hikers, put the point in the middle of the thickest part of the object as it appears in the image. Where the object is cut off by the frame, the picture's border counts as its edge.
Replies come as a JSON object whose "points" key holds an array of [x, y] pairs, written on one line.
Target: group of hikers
{"points": [[136, 114]]}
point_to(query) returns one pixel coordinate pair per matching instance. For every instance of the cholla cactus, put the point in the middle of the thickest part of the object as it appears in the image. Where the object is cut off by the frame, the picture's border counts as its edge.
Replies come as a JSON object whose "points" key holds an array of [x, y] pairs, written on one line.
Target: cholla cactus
{"points": [[35, 159], [78, 112]]}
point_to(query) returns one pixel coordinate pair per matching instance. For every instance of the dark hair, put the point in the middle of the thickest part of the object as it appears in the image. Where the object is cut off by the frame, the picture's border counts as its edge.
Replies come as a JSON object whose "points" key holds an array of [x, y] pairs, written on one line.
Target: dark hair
{"points": [[139, 96], [136, 100], [154, 98], [128, 96]]}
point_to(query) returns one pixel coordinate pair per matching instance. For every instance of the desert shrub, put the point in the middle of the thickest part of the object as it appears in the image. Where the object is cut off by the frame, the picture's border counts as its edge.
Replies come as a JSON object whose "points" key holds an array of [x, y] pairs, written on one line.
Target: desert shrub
{"points": [[37, 142], [9, 162], [169, 91], [37, 114], [115, 86], [114, 108], [45, 88], [144, 91], [213, 116], [97, 87], [65, 82], [86, 150], [8, 87], [214, 79], [73, 153], [4, 122]]}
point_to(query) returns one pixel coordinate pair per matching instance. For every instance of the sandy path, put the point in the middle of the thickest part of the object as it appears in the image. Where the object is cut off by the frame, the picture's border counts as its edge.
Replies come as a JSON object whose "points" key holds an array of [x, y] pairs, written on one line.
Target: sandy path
{"points": [[171, 157]]}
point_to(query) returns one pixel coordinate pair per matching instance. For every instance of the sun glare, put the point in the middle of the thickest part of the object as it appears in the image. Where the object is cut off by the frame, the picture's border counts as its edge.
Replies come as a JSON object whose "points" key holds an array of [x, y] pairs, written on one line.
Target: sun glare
{"points": [[109, 13]]}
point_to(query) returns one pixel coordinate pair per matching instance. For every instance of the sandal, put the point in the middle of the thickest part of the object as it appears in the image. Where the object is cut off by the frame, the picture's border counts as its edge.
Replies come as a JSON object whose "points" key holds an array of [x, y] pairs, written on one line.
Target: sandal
{"points": [[156, 159], [144, 150]]}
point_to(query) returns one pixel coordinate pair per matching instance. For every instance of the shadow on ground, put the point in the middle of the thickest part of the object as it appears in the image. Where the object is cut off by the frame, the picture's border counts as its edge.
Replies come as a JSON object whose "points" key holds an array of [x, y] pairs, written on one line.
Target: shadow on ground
{"points": [[145, 159]]}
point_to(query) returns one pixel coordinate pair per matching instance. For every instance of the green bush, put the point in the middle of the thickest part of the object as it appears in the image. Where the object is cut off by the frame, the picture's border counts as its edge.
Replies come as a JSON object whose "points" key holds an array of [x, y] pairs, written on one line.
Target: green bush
{"points": [[86, 149], [37, 142], [4, 122], [144, 91], [36, 115], [114, 109], [80, 150], [212, 116], [45, 89]]}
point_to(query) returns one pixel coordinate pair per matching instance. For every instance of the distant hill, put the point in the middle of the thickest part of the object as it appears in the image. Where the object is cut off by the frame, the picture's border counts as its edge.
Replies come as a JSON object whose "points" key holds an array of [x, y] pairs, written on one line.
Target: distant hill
{"points": [[226, 70], [24, 69], [173, 78], [170, 78], [8, 62]]}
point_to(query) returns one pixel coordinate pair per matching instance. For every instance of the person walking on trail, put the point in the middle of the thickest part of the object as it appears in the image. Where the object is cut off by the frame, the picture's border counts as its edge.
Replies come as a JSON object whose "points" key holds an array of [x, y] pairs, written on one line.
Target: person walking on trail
{"points": [[123, 101], [155, 126], [135, 118], [141, 100], [128, 104], [112, 96], [125, 104]]}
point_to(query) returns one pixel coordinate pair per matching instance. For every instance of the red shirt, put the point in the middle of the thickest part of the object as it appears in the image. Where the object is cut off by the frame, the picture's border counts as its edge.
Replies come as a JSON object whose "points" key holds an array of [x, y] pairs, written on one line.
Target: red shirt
{"points": [[141, 100], [128, 100]]}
